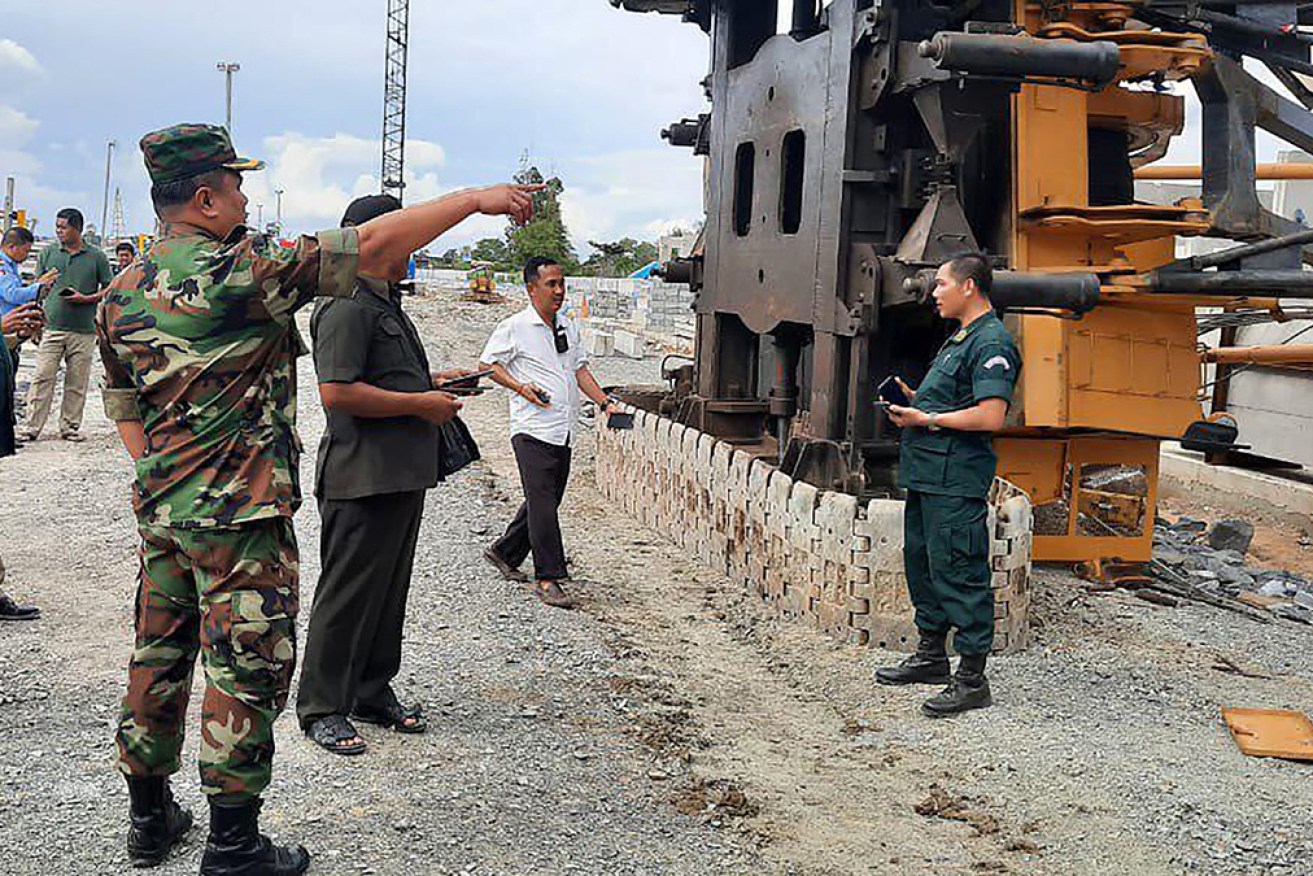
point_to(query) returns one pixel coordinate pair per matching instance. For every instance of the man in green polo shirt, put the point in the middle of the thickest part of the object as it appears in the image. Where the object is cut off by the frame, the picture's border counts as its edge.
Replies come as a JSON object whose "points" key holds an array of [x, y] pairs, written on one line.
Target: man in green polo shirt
{"points": [[70, 336], [947, 465]]}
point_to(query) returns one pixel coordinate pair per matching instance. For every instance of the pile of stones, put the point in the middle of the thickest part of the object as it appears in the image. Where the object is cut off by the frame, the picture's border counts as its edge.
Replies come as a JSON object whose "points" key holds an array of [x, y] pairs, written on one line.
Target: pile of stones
{"points": [[1213, 560]]}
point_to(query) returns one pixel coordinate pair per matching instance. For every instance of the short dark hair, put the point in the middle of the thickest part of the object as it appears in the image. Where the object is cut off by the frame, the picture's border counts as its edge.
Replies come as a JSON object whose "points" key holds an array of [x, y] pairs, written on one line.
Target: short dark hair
{"points": [[174, 194], [125, 246], [973, 266], [18, 236], [71, 215], [533, 267]]}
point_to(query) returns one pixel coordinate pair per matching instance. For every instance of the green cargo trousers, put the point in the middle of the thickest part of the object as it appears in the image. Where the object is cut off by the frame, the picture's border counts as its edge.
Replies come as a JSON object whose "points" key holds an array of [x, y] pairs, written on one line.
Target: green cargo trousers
{"points": [[946, 558], [231, 595]]}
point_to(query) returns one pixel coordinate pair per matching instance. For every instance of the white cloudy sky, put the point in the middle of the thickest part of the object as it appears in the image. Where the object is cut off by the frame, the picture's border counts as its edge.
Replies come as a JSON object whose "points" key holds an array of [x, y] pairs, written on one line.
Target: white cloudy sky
{"points": [[583, 87]]}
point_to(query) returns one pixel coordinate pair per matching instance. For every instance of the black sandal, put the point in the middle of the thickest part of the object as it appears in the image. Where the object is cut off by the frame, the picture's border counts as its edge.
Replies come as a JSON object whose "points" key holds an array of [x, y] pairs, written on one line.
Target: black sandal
{"points": [[393, 716], [331, 734]]}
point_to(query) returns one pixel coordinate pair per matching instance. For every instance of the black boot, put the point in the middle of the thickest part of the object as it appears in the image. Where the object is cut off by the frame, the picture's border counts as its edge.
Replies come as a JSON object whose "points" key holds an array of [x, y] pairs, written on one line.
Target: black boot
{"points": [[929, 665], [237, 848], [969, 689], [157, 821]]}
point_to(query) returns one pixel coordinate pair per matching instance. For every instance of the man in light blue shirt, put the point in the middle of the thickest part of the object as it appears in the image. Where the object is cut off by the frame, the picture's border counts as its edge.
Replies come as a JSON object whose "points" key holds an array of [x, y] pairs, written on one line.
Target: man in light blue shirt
{"points": [[14, 250]]}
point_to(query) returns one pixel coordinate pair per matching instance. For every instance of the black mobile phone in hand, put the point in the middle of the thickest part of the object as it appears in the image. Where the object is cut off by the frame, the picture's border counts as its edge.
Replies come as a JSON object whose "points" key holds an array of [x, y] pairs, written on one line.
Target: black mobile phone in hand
{"points": [[891, 393], [468, 383]]}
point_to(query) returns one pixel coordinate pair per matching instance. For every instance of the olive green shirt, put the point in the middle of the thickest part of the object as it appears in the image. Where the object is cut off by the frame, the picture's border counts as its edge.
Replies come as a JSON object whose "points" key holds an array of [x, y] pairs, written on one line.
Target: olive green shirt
{"points": [[978, 362], [87, 271], [370, 339]]}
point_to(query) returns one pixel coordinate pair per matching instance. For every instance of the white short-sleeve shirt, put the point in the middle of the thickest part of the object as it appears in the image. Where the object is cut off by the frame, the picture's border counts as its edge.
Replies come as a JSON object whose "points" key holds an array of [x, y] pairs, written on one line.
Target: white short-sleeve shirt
{"points": [[526, 347]]}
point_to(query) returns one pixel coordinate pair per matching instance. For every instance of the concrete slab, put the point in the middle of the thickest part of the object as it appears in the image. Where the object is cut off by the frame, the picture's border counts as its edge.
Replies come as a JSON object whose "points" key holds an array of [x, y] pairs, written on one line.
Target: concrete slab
{"points": [[1233, 488]]}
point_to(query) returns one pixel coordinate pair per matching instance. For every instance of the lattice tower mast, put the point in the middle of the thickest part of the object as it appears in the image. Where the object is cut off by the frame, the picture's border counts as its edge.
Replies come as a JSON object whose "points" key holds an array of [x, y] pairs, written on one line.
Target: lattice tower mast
{"points": [[394, 97], [117, 224]]}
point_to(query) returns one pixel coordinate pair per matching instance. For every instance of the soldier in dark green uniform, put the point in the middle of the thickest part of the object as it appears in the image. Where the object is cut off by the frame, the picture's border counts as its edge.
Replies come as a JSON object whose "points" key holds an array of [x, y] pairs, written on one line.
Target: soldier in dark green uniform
{"points": [[199, 346], [947, 465]]}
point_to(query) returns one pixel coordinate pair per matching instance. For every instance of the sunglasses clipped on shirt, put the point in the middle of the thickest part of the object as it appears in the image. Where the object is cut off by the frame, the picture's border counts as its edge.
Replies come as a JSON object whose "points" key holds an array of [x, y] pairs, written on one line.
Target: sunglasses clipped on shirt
{"points": [[562, 339]]}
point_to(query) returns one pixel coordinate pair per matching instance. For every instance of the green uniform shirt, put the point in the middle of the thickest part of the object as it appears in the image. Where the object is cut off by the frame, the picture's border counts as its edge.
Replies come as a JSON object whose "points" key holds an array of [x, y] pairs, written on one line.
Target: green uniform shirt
{"points": [[370, 339], [979, 362], [87, 271], [198, 343]]}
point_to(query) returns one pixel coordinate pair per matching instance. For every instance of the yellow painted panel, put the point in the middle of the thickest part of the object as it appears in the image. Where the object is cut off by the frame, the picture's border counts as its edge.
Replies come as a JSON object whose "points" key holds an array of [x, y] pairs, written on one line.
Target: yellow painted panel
{"points": [[1036, 465], [1043, 387], [1052, 147]]}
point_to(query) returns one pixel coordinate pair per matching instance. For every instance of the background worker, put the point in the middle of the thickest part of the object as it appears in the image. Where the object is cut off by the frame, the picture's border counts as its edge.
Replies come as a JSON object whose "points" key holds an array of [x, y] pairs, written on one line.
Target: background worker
{"points": [[378, 457], [204, 400], [19, 322], [70, 336], [536, 354], [15, 247], [124, 254], [947, 465]]}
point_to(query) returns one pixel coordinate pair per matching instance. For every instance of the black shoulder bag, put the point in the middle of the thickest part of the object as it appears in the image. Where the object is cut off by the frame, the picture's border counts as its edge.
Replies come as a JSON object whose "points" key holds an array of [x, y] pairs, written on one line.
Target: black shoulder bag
{"points": [[456, 448]]}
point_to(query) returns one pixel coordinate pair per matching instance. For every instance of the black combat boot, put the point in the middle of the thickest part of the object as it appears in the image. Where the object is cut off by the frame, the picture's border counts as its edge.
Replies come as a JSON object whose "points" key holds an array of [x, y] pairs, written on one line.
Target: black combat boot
{"points": [[968, 689], [237, 848], [929, 665], [157, 821]]}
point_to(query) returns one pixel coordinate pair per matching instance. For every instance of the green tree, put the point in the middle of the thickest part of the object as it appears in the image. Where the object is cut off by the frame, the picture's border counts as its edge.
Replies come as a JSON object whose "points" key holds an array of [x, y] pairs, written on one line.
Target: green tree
{"points": [[619, 258], [493, 250], [546, 235]]}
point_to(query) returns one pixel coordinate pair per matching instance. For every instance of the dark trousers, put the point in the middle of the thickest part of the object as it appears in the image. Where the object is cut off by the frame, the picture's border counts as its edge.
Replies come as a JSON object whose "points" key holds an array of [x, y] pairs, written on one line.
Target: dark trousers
{"points": [[353, 647], [8, 380], [946, 557], [544, 472]]}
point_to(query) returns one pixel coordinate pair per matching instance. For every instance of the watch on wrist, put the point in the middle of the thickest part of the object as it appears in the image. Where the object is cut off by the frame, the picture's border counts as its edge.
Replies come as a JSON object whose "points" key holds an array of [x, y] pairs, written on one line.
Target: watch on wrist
{"points": [[933, 425]]}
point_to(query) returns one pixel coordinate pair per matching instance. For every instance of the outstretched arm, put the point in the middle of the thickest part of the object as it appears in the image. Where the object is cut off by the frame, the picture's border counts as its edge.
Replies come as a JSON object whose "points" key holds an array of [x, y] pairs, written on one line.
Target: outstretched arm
{"points": [[386, 243]]}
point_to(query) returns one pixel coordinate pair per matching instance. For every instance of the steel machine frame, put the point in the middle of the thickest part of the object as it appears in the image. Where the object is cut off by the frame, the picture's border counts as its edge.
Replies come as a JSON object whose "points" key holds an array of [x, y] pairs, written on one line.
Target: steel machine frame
{"points": [[850, 155]]}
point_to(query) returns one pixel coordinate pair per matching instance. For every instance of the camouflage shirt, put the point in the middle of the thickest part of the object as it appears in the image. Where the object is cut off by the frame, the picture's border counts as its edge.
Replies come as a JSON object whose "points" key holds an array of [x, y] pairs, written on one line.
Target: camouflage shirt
{"points": [[198, 343]]}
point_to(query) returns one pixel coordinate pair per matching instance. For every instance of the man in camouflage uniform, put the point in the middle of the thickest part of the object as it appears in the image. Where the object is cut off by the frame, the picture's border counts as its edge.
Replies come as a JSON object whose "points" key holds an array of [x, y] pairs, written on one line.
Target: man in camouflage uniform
{"points": [[199, 349]]}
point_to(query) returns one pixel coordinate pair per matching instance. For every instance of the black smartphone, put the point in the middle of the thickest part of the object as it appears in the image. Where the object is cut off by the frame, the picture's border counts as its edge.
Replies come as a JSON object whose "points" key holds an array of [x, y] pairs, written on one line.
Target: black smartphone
{"points": [[892, 394], [620, 420], [466, 383]]}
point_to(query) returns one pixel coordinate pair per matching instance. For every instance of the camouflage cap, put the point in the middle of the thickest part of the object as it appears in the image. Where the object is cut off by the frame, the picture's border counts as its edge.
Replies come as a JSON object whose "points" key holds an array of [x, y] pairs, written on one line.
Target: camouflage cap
{"points": [[183, 151]]}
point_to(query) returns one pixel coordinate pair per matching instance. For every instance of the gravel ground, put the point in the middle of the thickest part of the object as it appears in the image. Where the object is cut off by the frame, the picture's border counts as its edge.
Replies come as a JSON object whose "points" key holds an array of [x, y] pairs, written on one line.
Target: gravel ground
{"points": [[668, 727]]}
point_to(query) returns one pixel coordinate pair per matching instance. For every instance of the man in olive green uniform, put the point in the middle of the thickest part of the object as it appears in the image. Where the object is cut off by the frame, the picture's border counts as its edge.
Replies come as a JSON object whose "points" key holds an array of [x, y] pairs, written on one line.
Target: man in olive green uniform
{"points": [[70, 336], [947, 465], [199, 348]]}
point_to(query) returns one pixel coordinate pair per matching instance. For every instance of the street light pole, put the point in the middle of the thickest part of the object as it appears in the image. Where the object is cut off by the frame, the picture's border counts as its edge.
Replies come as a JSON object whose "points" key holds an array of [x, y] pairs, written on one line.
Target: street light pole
{"points": [[104, 204], [228, 69], [259, 217], [278, 193]]}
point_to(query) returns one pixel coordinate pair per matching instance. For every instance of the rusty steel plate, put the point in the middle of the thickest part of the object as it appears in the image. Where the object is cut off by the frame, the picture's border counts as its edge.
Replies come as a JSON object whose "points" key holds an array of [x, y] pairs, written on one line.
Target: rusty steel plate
{"points": [[1271, 733]]}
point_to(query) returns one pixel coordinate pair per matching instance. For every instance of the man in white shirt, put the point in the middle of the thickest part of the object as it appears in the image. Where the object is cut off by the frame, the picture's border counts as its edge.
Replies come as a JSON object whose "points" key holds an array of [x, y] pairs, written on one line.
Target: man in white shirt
{"points": [[536, 354]]}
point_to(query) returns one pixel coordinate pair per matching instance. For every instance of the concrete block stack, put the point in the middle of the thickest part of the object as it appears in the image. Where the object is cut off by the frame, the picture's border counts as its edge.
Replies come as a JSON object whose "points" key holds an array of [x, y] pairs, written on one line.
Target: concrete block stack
{"points": [[661, 313], [670, 307], [821, 557]]}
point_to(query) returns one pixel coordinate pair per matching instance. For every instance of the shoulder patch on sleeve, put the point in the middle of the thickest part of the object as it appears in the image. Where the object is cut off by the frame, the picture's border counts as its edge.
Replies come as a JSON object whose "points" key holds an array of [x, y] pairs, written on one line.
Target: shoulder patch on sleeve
{"points": [[995, 362]]}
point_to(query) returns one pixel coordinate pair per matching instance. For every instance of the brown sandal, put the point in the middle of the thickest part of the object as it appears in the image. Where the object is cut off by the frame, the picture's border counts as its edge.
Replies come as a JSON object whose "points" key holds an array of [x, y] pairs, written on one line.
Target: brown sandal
{"points": [[553, 595]]}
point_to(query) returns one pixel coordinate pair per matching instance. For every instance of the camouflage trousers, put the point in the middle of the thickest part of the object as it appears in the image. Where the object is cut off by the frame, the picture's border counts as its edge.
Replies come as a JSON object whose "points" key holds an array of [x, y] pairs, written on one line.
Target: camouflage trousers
{"points": [[232, 596]]}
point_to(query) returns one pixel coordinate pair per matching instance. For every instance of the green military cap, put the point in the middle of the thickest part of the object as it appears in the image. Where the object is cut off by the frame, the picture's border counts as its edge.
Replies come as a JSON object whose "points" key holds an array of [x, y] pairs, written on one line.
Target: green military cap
{"points": [[187, 150]]}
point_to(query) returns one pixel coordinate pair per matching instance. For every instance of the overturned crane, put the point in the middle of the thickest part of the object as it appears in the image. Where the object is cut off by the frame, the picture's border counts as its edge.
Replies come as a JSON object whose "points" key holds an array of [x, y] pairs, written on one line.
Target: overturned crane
{"points": [[853, 151]]}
